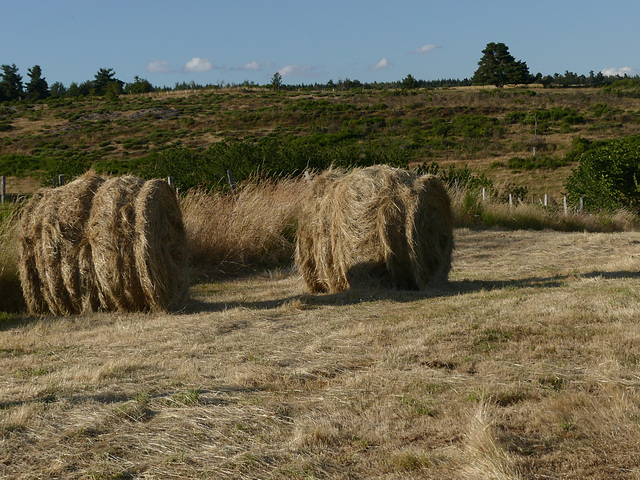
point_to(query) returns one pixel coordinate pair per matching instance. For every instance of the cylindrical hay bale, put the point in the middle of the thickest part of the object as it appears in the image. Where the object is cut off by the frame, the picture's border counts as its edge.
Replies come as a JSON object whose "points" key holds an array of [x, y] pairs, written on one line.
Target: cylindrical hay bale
{"points": [[29, 232], [93, 245], [375, 221], [52, 242], [111, 234], [160, 246]]}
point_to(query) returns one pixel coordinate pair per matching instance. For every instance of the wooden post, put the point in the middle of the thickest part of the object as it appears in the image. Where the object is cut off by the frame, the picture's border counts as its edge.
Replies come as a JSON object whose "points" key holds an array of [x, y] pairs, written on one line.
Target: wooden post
{"points": [[232, 182], [564, 204], [61, 179], [170, 181], [510, 199], [3, 188], [484, 194], [581, 204], [546, 200]]}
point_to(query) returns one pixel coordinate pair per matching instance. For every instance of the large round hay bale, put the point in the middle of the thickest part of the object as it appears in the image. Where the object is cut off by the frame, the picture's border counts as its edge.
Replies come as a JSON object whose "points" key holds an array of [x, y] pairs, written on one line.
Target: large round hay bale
{"points": [[111, 234], [29, 232], [160, 246], [93, 245], [52, 242], [374, 222]]}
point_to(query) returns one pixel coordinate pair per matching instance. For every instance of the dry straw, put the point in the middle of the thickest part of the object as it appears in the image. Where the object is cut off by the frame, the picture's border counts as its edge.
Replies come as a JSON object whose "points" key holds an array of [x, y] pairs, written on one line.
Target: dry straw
{"points": [[374, 222], [115, 245]]}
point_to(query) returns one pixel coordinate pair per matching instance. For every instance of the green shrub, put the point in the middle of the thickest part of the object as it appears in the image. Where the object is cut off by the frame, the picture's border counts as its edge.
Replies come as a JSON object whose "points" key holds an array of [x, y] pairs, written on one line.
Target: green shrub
{"points": [[267, 157], [477, 126], [460, 177], [608, 176]]}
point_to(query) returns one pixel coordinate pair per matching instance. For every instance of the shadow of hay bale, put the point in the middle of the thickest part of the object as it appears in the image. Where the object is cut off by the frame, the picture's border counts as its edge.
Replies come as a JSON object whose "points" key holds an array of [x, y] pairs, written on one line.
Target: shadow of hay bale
{"points": [[115, 245], [373, 222]]}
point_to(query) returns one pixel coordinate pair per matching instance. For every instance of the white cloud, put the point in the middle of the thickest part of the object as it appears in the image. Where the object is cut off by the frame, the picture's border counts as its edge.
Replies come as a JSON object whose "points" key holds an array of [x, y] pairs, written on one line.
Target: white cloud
{"points": [[612, 72], [254, 66], [425, 48], [159, 66], [381, 65], [296, 70], [197, 64]]}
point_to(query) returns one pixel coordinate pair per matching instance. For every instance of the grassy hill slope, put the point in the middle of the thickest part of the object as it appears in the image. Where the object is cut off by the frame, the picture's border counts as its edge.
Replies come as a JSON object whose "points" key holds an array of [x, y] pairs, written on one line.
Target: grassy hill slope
{"points": [[482, 128]]}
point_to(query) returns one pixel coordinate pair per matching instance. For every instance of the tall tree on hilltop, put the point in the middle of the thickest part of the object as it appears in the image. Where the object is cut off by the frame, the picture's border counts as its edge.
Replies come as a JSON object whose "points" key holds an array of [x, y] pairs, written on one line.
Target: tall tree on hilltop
{"points": [[276, 81], [498, 67], [10, 83], [37, 88], [106, 82], [409, 82], [139, 85]]}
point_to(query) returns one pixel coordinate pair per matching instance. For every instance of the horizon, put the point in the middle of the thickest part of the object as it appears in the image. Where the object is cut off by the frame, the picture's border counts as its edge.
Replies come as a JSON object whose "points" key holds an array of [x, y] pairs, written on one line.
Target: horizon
{"points": [[216, 43]]}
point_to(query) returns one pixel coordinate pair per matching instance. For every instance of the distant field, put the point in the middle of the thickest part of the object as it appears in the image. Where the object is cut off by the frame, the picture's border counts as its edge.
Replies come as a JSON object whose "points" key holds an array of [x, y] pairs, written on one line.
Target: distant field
{"points": [[526, 366]]}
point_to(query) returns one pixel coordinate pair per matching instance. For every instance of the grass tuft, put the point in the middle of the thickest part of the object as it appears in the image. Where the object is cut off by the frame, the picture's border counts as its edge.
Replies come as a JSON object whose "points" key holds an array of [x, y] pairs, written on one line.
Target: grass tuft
{"points": [[255, 229]]}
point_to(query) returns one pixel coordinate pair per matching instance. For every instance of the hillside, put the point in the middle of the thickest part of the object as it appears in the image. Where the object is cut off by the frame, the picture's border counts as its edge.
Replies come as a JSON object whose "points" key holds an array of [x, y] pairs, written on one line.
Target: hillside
{"points": [[481, 128]]}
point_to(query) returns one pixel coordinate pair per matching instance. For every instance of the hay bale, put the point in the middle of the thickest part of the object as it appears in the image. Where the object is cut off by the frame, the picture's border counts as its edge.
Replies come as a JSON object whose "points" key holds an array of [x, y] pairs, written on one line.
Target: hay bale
{"points": [[29, 232], [374, 222], [93, 245], [111, 234], [160, 246], [52, 241]]}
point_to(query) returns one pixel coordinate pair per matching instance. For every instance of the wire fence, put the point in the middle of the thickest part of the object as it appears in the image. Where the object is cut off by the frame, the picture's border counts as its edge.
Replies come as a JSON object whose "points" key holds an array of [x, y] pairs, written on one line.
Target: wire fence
{"points": [[545, 200]]}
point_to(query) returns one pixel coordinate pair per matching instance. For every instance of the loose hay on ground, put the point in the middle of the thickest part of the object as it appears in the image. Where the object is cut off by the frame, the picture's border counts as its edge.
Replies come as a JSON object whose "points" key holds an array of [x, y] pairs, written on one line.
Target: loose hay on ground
{"points": [[96, 245], [375, 221]]}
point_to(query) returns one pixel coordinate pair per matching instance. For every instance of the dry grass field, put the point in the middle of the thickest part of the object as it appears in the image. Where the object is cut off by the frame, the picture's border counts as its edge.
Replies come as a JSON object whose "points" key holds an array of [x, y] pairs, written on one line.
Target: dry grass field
{"points": [[525, 366]]}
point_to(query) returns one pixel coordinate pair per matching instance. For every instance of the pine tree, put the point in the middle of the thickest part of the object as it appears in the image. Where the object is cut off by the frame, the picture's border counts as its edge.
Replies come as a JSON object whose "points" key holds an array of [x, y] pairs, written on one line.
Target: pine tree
{"points": [[276, 81], [498, 67], [11, 83], [37, 88], [105, 82]]}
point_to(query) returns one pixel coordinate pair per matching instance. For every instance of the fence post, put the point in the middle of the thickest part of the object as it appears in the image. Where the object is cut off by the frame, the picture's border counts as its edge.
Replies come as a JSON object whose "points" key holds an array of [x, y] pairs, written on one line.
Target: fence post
{"points": [[546, 200], [61, 179], [170, 181], [3, 188], [581, 204], [510, 199], [484, 194], [564, 204], [232, 182], [54, 183]]}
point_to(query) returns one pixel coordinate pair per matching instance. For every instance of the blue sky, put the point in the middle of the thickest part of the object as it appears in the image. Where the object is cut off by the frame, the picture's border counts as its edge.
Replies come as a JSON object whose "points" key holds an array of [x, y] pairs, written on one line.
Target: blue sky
{"points": [[230, 41]]}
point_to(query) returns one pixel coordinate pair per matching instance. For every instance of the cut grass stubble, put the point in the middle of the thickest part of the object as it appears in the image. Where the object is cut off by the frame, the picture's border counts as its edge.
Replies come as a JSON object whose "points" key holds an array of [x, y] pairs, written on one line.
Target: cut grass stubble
{"points": [[523, 366]]}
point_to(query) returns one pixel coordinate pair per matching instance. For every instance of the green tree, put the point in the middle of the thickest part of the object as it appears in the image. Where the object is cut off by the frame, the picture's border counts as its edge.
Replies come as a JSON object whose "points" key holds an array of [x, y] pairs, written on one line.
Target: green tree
{"points": [[498, 67], [409, 82], [58, 90], [106, 82], [37, 88], [139, 85], [276, 81], [608, 177], [11, 83]]}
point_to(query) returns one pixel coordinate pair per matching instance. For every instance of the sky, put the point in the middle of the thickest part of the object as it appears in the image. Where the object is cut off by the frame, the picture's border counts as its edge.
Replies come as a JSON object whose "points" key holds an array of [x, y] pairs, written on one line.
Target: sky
{"points": [[221, 42]]}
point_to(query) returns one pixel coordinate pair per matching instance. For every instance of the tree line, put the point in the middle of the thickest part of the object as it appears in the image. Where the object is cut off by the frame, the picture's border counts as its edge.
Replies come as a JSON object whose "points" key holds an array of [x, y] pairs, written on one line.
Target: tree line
{"points": [[104, 83], [496, 67]]}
